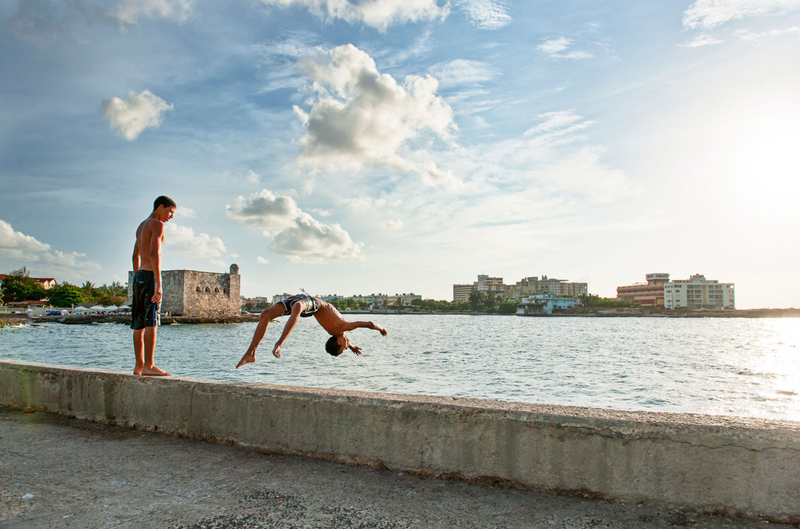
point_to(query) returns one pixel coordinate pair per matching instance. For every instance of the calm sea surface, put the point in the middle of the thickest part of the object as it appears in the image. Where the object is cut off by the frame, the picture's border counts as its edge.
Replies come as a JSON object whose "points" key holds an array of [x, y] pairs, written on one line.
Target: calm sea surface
{"points": [[748, 367]]}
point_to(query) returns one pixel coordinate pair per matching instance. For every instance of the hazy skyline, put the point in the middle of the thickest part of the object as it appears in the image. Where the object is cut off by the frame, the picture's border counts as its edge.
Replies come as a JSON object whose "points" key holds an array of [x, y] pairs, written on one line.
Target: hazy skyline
{"points": [[357, 147]]}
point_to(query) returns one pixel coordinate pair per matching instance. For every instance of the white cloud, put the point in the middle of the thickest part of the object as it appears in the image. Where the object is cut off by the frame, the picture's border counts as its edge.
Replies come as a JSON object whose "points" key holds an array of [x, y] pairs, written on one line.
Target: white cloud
{"points": [[20, 247], [701, 40], [265, 211], [378, 14], [748, 35], [555, 47], [182, 239], [129, 11], [261, 260], [461, 72], [361, 116], [252, 176], [183, 212], [131, 116], [233, 255], [322, 212], [294, 232], [486, 14], [393, 224], [707, 14], [11, 239]]}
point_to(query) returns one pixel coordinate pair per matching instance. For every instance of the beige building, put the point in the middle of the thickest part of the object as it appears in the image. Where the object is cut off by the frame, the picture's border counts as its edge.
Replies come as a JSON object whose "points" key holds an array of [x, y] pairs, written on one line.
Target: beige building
{"points": [[484, 283], [649, 294], [697, 292]]}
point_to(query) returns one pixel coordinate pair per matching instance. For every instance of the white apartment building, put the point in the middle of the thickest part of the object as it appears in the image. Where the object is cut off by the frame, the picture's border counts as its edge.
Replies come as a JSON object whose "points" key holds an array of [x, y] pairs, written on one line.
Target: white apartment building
{"points": [[697, 292]]}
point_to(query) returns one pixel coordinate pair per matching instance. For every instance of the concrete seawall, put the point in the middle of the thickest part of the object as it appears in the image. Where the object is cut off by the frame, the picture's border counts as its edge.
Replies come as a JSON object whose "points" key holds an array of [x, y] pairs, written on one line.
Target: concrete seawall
{"points": [[706, 463]]}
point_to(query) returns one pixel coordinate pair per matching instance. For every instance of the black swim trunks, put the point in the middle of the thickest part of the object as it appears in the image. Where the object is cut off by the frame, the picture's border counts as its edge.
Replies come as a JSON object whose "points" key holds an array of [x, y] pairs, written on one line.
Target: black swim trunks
{"points": [[144, 312], [312, 305]]}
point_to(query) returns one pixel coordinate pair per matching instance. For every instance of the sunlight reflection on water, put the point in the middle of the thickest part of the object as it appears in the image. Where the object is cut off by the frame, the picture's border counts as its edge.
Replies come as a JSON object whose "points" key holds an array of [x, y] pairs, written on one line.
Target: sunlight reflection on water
{"points": [[748, 367]]}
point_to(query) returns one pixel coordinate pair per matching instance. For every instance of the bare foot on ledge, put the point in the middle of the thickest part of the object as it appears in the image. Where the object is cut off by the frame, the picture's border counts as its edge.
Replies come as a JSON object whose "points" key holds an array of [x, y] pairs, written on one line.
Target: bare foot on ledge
{"points": [[246, 359], [137, 370], [154, 372]]}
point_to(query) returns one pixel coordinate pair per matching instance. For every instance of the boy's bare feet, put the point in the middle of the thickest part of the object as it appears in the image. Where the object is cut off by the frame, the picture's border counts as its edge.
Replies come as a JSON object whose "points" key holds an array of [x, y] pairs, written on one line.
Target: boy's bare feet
{"points": [[246, 359], [138, 369], [154, 372]]}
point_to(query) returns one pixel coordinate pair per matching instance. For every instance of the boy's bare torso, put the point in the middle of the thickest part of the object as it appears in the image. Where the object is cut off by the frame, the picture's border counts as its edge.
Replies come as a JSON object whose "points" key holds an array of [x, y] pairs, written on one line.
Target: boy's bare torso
{"points": [[144, 239], [330, 319]]}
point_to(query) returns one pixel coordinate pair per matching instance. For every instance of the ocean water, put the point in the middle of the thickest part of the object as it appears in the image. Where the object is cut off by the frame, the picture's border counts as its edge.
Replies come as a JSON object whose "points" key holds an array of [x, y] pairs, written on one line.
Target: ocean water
{"points": [[745, 367]]}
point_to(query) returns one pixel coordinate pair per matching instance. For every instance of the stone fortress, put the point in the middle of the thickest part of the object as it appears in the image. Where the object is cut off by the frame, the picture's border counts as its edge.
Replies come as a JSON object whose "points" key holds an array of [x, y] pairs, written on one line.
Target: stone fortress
{"points": [[194, 294]]}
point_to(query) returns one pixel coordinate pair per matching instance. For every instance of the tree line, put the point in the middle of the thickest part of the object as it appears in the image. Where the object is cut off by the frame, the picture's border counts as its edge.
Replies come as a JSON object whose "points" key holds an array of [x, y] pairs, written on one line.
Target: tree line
{"points": [[19, 286]]}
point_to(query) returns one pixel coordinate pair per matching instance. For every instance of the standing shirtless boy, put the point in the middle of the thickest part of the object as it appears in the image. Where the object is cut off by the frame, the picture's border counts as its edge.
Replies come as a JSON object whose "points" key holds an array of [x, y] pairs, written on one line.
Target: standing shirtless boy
{"points": [[303, 305], [147, 286]]}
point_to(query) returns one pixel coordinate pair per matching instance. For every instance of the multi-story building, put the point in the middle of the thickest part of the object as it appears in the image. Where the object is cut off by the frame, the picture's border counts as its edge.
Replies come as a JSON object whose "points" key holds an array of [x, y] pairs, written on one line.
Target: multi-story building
{"points": [[525, 286], [697, 292], [484, 283], [378, 300], [544, 303], [462, 292], [649, 294], [561, 287]]}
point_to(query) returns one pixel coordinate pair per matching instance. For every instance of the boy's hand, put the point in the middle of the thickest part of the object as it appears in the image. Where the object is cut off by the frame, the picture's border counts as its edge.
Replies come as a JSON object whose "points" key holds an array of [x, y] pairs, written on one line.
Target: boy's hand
{"points": [[356, 349]]}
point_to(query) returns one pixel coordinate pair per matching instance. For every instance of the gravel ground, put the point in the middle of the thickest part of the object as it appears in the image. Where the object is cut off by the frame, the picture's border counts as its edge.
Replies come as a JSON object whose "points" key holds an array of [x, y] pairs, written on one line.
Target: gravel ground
{"points": [[60, 472]]}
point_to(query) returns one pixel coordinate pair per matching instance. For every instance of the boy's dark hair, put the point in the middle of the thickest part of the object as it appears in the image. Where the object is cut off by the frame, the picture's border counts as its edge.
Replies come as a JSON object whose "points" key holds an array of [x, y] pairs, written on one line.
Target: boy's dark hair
{"points": [[332, 346], [164, 201]]}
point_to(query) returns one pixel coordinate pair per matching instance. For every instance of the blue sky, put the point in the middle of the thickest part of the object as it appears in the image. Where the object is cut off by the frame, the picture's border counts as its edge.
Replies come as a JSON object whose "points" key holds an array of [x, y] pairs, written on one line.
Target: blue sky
{"points": [[382, 146]]}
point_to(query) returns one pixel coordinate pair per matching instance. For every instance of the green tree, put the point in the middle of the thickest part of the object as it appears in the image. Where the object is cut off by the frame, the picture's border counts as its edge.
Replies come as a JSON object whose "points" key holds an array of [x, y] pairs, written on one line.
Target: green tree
{"points": [[507, 308], [21, 288], [65, 295], [477, 300]]}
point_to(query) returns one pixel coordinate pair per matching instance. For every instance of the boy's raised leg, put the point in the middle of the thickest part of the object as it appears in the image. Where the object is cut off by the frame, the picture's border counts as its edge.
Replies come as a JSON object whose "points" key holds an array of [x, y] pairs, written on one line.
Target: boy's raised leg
{"points": [[261, 330]]}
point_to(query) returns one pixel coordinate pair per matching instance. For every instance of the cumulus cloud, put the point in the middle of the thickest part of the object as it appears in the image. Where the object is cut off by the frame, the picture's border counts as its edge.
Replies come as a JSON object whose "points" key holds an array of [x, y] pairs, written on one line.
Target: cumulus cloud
{"points": [[265, 211], [184, 212], [294, 232], [129, 11], [182, 239], [393, 224], [131, 116], [486, 14], [360, 116], [461, 72], [378, 14], [11, 239], [701, 40], [261, 260], [706, 14], [16, 245], [556, 48]]}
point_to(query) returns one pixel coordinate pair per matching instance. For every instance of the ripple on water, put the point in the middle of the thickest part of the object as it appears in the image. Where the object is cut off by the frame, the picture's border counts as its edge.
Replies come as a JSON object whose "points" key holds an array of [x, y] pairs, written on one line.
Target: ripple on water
{"points": [[731, 366]]}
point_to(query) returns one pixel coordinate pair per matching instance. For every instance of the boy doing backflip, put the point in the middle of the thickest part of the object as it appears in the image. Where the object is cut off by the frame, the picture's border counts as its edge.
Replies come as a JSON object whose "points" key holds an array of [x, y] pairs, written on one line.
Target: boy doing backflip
{"points": [[147, 286], [303, 305]]}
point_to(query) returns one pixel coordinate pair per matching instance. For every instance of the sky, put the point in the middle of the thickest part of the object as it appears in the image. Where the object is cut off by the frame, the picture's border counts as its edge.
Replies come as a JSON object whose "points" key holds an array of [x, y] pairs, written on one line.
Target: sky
{"points": [[396, 146]]}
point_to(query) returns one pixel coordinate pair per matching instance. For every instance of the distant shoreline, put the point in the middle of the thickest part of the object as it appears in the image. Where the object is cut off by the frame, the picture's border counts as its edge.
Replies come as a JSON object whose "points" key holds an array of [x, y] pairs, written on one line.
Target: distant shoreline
{"points": [[572, 313]]}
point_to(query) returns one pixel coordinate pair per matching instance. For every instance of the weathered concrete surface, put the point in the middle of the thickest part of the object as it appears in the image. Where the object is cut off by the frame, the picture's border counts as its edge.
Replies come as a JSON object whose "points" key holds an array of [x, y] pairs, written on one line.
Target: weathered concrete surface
{"points": [[90, 475], [704, 463]]}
